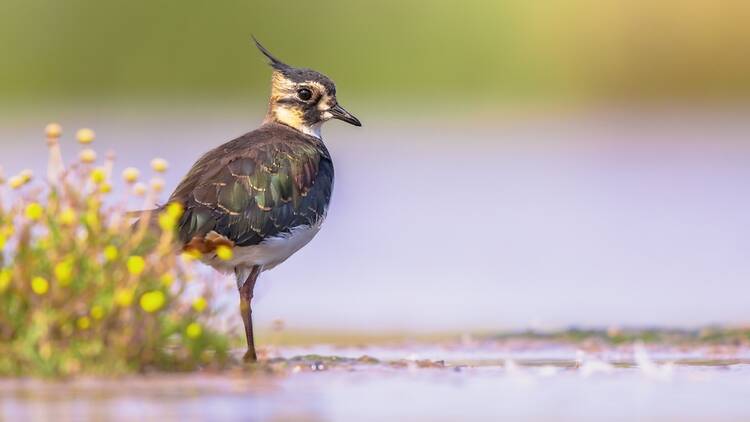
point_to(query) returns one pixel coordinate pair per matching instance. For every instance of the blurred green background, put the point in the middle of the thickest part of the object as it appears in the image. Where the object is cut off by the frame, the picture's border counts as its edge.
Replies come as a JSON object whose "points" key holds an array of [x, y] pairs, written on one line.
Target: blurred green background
{"points": [[416, 51]]}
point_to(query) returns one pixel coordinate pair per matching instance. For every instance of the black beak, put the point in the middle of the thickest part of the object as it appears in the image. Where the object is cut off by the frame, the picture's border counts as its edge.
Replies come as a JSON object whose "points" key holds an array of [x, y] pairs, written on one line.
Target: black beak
{"points": [[339, 113]]}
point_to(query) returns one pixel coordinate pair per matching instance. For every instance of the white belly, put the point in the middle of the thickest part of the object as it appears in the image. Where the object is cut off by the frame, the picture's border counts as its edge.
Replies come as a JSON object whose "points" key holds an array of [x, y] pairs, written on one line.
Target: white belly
{"points": [[269, 253]]}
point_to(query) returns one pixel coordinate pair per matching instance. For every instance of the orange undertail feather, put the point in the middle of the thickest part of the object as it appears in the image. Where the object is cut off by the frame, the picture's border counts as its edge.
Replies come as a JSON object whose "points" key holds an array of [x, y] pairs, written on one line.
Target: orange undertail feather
{"points": [[202, 244], [207, 244]]}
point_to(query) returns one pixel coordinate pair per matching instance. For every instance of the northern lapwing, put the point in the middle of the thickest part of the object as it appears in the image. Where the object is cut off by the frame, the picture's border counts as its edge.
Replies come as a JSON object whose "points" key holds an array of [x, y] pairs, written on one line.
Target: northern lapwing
{"points": [[266, 193]]}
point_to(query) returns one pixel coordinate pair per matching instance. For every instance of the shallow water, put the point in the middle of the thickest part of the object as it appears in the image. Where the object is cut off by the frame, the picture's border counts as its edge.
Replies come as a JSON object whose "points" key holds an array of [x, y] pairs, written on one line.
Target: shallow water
{"points": [[487, 382]]}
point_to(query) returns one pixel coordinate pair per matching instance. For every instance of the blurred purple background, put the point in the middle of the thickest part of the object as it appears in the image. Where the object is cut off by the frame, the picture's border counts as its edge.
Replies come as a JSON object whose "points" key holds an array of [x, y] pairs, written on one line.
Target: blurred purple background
{"points": [[535, 220]]}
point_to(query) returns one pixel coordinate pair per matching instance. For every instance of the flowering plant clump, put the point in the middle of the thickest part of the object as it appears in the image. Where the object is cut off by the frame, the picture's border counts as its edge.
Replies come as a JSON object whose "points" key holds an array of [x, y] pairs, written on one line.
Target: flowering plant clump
{"points": [[84, 288]]}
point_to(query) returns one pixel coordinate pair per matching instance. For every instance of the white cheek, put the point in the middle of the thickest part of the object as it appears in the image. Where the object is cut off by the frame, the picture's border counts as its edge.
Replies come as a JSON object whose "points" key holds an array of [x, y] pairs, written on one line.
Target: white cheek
{"points": [[326, 115], [325, 104]]}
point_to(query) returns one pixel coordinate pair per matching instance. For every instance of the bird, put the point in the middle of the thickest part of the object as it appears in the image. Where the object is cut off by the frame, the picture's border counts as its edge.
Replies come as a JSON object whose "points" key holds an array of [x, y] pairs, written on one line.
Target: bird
{"points": [[266, 193]]}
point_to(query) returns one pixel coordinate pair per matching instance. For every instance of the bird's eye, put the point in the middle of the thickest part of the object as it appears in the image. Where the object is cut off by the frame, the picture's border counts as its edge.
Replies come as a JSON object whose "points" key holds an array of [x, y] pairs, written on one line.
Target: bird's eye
{"points": [[304, 94]]}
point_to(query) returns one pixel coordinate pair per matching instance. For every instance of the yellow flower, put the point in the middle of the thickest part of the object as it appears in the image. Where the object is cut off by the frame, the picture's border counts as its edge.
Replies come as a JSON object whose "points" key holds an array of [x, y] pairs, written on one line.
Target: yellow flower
{"points": [[157, 184], [175, 210], [136, 265], [224, 252], [167, 222], [191, 254], [92, 219], [131, 174], [139, 189], [83, 322], [87, 156], [68, 217], [34, 211], [64, 272], [6, 276], [200, 304], [105, 188], [167, 279], [97, 312], [170, 217], [26, 175], [193, 330], [111, 253], [98, 175], [124, 297], [85, 136], [159, 165], [152, 301], [15, 182], [3, 240], [53, 130], [39, 285]]}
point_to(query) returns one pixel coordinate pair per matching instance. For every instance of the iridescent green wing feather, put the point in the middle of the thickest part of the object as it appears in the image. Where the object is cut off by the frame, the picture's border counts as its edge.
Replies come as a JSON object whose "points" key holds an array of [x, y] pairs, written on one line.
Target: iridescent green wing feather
{"points": [[261, 190]]}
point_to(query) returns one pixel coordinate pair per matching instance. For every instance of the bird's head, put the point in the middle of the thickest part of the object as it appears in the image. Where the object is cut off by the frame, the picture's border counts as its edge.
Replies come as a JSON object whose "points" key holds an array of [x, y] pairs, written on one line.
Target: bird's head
{"points": [[302, 98]]}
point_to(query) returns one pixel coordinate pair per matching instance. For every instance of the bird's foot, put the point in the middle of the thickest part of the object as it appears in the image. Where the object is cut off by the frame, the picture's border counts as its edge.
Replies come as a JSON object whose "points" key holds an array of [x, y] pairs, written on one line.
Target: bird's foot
{"points": [[250, 356]]}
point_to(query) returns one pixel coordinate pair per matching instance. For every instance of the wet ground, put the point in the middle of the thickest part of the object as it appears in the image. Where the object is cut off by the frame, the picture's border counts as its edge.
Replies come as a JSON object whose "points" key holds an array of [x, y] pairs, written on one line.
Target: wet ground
{"points": [[528, 381]]}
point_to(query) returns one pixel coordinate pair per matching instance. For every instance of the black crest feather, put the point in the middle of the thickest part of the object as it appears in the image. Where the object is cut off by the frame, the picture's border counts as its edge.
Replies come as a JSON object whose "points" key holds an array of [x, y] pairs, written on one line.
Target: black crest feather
{"points": [[274, 62]]}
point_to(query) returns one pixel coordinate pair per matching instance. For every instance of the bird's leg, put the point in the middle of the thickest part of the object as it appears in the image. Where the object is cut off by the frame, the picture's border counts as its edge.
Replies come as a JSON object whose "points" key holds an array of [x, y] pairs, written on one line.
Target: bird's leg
{"points": [[246, 296]]}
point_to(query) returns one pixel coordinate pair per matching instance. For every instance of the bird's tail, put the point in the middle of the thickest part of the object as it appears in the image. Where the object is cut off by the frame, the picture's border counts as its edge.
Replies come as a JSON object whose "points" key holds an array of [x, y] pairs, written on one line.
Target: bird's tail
{"points": [[144, 220], [141, 213]]}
